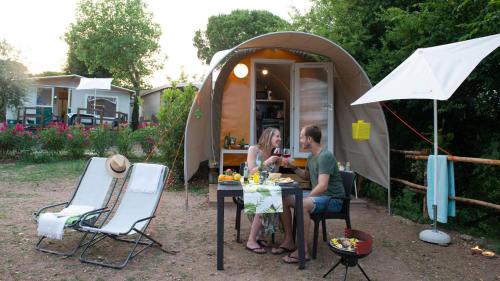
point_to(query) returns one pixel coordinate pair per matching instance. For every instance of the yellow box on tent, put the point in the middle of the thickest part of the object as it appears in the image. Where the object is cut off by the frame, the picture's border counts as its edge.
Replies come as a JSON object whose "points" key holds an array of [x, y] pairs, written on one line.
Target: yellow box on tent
{"points": [[361, 130]]}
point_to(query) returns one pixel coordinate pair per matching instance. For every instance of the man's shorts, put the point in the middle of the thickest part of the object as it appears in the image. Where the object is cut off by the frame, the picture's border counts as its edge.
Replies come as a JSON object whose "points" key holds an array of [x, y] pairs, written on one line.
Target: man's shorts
{"points": [[320, 202]]}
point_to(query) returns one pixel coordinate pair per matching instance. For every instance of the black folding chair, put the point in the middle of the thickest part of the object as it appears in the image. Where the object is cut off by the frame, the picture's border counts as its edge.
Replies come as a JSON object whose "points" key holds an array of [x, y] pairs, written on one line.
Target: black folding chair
{"points": [[348, 182]]}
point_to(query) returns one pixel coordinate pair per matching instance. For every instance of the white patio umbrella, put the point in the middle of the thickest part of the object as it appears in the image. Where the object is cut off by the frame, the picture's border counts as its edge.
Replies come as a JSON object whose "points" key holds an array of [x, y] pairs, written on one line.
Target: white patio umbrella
{"points": [[95, 84], [432, 73]]}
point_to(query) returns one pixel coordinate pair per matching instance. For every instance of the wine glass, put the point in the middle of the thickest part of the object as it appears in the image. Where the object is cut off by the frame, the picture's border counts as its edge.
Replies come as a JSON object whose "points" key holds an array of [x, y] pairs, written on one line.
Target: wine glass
{"points": [[286, 153], [277, 152]]}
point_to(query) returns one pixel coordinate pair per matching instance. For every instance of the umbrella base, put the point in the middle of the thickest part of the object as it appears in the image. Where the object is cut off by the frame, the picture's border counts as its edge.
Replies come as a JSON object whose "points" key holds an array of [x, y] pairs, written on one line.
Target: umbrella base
{"points": [[435, 237]]}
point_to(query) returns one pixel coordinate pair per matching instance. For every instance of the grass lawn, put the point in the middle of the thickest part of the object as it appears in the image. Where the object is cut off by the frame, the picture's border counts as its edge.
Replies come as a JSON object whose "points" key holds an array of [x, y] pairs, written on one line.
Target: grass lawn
{"points": [[28, 172]]}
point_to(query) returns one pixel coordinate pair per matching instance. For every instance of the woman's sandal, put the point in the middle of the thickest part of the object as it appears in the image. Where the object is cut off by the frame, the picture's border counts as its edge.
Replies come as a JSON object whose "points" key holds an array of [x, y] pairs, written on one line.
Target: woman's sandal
{"points": [[256, 250], [281, 250], [291, 259]]}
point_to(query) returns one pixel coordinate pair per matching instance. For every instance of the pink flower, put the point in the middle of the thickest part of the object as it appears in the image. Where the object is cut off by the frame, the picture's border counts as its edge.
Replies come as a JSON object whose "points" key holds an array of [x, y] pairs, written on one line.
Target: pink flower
{"points": [[19, 128], [70, 136], [3, 126]]}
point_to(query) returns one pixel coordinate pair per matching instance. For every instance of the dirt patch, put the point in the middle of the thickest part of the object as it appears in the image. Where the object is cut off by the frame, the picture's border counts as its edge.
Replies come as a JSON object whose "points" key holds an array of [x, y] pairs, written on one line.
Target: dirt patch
{"points": [[397, 255]]}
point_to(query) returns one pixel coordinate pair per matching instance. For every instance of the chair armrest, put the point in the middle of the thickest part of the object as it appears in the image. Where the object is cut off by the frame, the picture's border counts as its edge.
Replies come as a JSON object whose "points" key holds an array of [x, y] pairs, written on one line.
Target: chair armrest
{"points": [[36, 214], [94, 212], [136, 222]]}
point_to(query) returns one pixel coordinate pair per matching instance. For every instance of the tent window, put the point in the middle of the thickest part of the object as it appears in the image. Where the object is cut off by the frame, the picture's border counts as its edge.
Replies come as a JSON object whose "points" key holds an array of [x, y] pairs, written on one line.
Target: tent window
{"points": [[44, 96], [107, 104]]}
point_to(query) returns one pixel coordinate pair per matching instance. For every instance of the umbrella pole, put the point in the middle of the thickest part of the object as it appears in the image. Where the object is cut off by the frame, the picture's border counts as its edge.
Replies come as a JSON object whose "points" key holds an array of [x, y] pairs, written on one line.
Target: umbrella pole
{"points": [[433, 235], [434, 205]]}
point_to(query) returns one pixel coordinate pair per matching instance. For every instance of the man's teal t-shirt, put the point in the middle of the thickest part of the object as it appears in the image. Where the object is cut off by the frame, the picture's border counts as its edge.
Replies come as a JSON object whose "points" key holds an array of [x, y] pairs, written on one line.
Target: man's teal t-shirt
{"points": [[325, 163]]}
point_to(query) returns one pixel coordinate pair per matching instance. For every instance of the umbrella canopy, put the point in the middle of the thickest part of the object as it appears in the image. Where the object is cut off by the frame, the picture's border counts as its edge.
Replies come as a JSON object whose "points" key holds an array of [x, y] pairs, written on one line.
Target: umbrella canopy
{"points": [[432, 73], [94, 83]]}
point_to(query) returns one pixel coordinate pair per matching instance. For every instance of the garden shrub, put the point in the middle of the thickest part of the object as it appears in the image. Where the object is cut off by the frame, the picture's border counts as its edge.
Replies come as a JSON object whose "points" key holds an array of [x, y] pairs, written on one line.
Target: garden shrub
{"points": [[7, 139], [100, 139], [53, 138], [124, 141], [77, 140], [174, 111], [147, 135]]}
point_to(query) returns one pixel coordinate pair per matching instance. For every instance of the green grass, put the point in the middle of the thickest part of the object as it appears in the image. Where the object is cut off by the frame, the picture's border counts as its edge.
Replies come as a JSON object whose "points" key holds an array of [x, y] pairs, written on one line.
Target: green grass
{"points": [[29, 172]]}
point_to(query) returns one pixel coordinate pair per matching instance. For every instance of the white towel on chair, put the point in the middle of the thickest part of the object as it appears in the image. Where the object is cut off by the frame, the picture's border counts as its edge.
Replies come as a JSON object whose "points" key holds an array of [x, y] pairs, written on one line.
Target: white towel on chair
{"points": [[145, 178], [51, 225]]}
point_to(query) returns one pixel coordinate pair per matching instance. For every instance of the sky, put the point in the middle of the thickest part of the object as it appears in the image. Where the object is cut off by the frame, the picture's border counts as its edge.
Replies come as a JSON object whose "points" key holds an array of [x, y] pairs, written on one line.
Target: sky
{"points": [[36, 28]]}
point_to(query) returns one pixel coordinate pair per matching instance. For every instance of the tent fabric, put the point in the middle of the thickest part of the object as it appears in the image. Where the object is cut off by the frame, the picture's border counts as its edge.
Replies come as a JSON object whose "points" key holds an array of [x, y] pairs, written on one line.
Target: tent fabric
{"points": [[432, 73], [370, 159], [94, 83]]}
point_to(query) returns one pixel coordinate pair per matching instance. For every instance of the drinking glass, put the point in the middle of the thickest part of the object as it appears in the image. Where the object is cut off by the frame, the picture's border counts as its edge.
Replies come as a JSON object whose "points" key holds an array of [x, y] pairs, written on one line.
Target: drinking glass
{"points": [[286, 153], [277, 151]]}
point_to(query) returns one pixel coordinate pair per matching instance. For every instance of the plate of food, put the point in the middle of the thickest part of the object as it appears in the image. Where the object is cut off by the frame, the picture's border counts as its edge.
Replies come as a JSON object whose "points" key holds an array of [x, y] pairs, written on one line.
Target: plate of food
{"points": [[285, 180], [230, 182]]}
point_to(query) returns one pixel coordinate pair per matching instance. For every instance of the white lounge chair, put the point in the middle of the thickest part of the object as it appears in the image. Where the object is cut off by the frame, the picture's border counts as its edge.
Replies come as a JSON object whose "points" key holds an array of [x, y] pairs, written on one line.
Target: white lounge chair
{"points": [[92, 193], [133, 214]]}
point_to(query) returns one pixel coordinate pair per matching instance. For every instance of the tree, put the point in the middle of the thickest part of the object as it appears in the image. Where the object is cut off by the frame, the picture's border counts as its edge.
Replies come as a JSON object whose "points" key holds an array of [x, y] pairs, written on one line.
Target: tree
{"points": [[76, 66], [226, 31], [380, 34], [118, 36], [13, 86]]}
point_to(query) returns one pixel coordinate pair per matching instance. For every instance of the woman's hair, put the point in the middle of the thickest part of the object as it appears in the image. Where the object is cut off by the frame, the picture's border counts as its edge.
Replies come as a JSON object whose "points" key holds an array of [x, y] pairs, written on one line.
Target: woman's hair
{"points": [[265, 139]]}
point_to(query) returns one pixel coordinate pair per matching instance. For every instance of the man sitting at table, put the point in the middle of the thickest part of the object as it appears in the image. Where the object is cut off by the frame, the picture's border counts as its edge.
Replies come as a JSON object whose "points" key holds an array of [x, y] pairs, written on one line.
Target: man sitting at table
{"points": [[322, 171]]}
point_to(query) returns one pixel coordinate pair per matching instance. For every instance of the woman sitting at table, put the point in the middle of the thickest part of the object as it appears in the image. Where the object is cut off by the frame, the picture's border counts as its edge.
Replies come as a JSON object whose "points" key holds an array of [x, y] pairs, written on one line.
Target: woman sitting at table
{"points": [[260, 157]]}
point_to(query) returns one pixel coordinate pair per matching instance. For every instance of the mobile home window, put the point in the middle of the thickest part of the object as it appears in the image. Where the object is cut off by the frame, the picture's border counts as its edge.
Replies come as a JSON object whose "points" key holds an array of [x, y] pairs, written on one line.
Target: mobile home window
{"points": [[44, 96], [108, 105]]}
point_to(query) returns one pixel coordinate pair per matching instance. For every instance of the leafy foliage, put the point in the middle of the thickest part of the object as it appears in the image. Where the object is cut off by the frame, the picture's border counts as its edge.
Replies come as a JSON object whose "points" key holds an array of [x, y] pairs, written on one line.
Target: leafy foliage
{"points": [[226, 31], [100, 139], [147, 136], [77, 140], [174, 110], [117, 36], [381, 34], [124, 142], [13, 86]]}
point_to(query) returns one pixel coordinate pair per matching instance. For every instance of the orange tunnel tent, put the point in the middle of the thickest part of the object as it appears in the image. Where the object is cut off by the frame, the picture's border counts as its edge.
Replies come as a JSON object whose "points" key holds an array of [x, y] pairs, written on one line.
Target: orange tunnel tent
{"points": [[228, 105]]}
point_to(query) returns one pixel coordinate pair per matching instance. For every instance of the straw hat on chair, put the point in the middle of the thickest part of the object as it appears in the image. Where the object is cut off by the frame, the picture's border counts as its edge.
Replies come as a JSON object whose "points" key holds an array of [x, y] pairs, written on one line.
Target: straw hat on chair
{"points": [[117, 166]]}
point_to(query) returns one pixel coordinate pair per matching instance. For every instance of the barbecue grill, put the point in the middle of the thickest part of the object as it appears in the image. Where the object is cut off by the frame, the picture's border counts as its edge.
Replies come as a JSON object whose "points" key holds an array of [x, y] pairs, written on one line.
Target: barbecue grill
{"points": [[350, 258]]}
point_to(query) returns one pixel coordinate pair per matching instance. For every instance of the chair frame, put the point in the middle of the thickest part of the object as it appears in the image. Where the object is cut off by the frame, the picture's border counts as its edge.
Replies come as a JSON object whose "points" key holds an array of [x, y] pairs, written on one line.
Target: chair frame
{"points": [[76, 225], [100, 236], [348, 179]]}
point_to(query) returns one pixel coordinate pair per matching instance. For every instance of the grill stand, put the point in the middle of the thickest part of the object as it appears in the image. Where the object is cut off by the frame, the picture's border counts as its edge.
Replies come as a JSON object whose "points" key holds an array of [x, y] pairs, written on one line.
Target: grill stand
{"points": [[347, 261]]}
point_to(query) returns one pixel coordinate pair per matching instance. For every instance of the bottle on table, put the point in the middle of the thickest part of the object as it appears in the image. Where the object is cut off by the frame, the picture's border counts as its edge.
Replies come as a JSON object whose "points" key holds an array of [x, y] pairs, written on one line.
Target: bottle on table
{"points": [[347, 166], [245, 173]]}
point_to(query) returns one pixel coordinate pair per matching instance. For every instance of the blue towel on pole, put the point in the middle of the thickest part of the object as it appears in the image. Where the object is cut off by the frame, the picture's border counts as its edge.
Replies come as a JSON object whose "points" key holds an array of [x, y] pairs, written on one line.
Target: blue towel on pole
{"points": [[445, 188]]}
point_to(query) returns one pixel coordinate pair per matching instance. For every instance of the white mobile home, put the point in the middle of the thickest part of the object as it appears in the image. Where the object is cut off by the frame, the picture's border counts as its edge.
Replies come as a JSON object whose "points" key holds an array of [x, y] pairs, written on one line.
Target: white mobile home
{"points": [[58, 96]]}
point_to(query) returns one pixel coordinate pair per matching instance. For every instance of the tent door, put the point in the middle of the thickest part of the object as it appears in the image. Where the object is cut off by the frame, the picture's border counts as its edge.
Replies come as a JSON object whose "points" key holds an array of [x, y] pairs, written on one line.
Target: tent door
{"points": [[312, 103]]}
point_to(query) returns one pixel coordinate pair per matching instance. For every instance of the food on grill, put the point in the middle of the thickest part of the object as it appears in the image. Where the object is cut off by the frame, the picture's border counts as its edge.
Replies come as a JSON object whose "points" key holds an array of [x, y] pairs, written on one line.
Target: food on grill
{"points": [[476, 250], [346, 244], [488, 254]]}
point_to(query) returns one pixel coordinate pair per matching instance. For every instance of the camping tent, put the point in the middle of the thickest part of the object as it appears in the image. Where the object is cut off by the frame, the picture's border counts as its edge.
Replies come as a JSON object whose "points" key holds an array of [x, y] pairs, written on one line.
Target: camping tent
{"points": [[369, 159]]}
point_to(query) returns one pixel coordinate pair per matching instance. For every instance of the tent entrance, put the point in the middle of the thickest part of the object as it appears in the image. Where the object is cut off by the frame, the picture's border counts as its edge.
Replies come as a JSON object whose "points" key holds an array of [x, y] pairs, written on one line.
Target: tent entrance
{"points": [[312, 103], [271, 98]]}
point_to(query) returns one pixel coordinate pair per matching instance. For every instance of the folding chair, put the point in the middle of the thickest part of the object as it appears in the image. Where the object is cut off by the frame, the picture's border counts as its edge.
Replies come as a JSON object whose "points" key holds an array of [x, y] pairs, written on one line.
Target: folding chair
{"points": [[133, 215], [93, 190]]}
